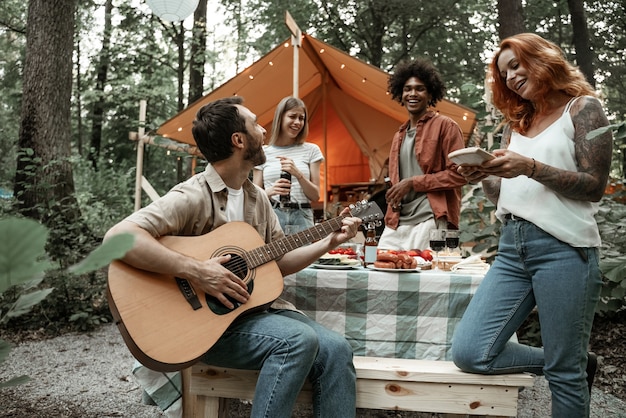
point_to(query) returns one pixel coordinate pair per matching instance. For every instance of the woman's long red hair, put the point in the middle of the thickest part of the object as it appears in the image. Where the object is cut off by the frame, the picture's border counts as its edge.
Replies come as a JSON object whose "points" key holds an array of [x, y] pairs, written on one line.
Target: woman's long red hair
{"points": [[550, 71]]}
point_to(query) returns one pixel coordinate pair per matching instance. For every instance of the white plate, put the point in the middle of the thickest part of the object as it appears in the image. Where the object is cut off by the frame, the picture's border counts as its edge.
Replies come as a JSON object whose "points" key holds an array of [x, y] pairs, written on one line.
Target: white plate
{"points": [[335, 266], [371, 267]]}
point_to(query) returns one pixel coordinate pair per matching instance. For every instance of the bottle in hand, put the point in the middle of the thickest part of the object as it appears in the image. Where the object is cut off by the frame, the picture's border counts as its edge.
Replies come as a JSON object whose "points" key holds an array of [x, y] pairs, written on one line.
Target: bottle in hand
{"points": [[285, 198], [397, 207]]}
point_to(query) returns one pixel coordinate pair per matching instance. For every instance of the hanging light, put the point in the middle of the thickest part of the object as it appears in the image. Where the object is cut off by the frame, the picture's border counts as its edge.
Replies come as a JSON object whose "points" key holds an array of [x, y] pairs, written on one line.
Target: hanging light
{"points": [[172, 10]]}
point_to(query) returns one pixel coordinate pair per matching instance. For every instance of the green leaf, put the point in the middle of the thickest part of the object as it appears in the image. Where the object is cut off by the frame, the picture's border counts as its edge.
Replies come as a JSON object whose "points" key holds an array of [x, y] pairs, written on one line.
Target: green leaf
{"points": [[112, 249], [22, 255], [600, 131], [25, 302], [5, 349], [15, 381]]}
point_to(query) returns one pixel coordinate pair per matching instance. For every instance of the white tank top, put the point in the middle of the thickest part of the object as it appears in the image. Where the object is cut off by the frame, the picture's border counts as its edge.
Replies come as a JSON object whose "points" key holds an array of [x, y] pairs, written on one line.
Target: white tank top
{"points": [[571, 221]]}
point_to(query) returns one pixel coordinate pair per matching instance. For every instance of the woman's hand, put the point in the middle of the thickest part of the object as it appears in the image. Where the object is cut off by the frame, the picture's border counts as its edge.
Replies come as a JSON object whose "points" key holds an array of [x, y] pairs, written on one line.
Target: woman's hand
{"points": [[281, 187], [507, 164], [289, 165]]}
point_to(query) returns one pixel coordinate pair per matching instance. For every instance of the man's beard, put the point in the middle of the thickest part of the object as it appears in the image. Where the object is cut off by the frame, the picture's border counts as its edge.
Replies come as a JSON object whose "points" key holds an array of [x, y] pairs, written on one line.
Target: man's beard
{"points": [[255, 155]]}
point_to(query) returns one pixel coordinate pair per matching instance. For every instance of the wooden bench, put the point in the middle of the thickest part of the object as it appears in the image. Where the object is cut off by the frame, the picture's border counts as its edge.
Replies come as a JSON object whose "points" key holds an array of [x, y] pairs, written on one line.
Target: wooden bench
{"points": [[382, 383]]}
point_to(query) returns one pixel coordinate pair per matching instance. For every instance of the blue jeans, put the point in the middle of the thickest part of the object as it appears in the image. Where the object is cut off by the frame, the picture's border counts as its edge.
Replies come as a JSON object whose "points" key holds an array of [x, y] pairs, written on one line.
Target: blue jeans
{"points": [[301, 219], [288, 347], [534, 268]]}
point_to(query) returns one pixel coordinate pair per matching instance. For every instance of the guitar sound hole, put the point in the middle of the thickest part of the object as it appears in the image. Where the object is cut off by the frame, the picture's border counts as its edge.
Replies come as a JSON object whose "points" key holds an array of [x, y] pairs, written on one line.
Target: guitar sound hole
{"points": [[237, 265]]}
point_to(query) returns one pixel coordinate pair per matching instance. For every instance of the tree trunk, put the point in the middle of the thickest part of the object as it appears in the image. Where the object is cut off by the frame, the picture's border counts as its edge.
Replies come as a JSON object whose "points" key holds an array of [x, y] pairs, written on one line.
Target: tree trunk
{"points": [[44, 183], [198, 53], [179, 40], [510, 18], [101, 79], [584, 54]]}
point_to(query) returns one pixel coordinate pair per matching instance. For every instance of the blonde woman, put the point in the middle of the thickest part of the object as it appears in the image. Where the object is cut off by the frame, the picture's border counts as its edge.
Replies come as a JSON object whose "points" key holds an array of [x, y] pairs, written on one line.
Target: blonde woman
{"points": [[288, 152]]}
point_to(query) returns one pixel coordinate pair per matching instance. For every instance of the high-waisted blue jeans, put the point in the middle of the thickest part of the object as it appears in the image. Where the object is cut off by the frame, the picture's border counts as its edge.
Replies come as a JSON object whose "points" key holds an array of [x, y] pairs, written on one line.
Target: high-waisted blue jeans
{"points": [[297, 219], [532, 268], [288, 347]]}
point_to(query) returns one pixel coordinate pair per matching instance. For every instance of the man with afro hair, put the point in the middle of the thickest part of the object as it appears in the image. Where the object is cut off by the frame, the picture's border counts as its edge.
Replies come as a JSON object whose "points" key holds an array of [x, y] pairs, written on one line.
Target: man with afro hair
{"points": [[426, 189]]}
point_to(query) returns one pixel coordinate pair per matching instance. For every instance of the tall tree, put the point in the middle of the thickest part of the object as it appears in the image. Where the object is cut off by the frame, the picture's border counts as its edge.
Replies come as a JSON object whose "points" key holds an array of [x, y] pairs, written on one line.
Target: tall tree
{"points": [[44, 184], [12, 44], [198, 52], [510, 18], [584, 54], [102, 69]]}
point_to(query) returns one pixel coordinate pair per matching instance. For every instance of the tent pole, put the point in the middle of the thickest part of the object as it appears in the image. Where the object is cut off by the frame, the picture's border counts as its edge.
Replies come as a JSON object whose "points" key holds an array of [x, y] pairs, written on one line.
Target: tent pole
{"points": [[140, 147], [296, 37], [296, 65]]}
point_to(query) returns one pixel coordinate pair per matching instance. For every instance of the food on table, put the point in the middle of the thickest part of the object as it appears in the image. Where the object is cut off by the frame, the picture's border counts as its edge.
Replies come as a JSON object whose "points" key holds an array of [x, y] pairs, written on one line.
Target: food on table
{"points": [[427, 254], [395, 260], [339, 257]]}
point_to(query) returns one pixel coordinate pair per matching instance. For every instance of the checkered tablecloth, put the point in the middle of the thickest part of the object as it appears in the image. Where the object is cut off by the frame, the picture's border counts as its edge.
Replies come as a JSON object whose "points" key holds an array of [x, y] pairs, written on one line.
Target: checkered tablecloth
{"points": [[405, 315], [383, 314]]}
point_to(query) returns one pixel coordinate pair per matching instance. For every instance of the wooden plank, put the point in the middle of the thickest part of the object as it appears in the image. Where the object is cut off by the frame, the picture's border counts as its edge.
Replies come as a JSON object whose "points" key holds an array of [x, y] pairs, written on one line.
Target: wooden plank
{"points": [[382, 383], [436, 397], [431, 371], [232, 383]]}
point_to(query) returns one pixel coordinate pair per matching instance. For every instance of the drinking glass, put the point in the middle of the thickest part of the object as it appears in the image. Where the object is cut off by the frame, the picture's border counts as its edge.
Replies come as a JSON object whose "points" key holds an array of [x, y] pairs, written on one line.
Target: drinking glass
{"points": [[437, 243], [452, 240]]}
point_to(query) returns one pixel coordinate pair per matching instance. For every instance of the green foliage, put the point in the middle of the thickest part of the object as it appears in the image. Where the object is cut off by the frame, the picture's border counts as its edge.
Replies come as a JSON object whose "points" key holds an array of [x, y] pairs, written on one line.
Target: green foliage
{"points": [[105, 195], [478, 224], [23, 263], [612, 223]]}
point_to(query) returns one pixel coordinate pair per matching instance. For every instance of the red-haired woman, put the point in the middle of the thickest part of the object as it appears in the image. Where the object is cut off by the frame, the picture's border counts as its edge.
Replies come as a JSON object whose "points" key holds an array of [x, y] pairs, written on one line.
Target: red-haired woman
{"points": [[546, 181]]}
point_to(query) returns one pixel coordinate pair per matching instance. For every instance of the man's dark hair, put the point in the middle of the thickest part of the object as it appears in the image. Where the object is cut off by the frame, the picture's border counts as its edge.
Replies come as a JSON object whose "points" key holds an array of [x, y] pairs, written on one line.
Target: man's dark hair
{"points": [[214, 125], [422, 69]]}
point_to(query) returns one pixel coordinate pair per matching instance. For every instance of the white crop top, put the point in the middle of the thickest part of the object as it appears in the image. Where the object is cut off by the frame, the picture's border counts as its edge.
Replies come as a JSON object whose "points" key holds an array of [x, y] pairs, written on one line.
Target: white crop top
{"points": [[571, 221]]}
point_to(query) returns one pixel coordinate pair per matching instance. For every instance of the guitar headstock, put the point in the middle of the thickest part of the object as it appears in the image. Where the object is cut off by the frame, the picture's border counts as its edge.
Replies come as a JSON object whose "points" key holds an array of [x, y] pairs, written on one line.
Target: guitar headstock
{"points": [[367, 211]]}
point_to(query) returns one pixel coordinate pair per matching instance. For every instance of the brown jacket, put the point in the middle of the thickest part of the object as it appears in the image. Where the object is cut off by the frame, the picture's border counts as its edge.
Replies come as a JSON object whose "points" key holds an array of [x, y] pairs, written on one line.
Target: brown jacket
{"points": [[436, 136]]}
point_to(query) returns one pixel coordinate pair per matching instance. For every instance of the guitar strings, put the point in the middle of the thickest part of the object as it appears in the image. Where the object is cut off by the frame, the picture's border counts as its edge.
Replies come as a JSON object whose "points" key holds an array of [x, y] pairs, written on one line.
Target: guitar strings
{"points": [[277, 248]]}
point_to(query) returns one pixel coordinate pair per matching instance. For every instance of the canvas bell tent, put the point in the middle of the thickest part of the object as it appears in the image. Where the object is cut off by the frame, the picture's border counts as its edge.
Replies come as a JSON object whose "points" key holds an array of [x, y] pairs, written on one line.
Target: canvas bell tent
{"points": [[351, 116]]}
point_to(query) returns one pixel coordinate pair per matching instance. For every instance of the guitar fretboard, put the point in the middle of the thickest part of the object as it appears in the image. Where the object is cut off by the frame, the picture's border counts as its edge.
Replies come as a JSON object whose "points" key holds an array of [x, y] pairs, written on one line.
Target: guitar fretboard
{"points": [[275, 249]]}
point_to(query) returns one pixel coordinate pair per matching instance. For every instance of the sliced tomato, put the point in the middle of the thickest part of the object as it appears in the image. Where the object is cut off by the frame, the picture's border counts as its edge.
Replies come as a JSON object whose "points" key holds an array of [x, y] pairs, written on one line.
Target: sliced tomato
{"points": [[427, 255]]}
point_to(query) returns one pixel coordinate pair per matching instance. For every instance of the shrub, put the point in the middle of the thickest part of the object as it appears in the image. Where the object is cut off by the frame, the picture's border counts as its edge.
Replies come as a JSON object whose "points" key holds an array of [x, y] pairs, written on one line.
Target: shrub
{"points": [[24, 263]]}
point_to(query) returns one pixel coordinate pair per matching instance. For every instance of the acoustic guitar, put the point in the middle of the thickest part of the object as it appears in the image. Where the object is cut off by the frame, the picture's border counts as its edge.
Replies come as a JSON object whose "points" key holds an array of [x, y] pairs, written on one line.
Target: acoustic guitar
{"points": [[168, 326]]}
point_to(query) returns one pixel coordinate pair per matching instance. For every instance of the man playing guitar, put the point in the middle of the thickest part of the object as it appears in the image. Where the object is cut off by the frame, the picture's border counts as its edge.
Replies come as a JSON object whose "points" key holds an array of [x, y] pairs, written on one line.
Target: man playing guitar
{"points": [[283, 344]]}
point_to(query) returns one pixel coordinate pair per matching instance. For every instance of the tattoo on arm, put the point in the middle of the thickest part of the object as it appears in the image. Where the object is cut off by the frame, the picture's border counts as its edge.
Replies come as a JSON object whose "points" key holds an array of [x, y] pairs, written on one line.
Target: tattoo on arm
{"points": [[593, 156]]}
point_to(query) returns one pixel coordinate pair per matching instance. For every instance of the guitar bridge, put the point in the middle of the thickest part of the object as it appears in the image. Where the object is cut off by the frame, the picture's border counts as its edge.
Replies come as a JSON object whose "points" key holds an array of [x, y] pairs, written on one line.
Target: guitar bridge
{"points": [[189, 294]]}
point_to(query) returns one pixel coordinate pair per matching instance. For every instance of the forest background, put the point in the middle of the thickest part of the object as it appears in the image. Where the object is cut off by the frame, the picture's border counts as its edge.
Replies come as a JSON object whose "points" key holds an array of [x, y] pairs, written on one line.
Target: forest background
{"points": [[72, 74]]}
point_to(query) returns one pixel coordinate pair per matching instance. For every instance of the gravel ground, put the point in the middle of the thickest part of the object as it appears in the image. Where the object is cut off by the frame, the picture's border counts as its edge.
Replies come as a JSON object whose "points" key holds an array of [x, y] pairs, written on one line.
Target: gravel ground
{"points": [[89, 376]]}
